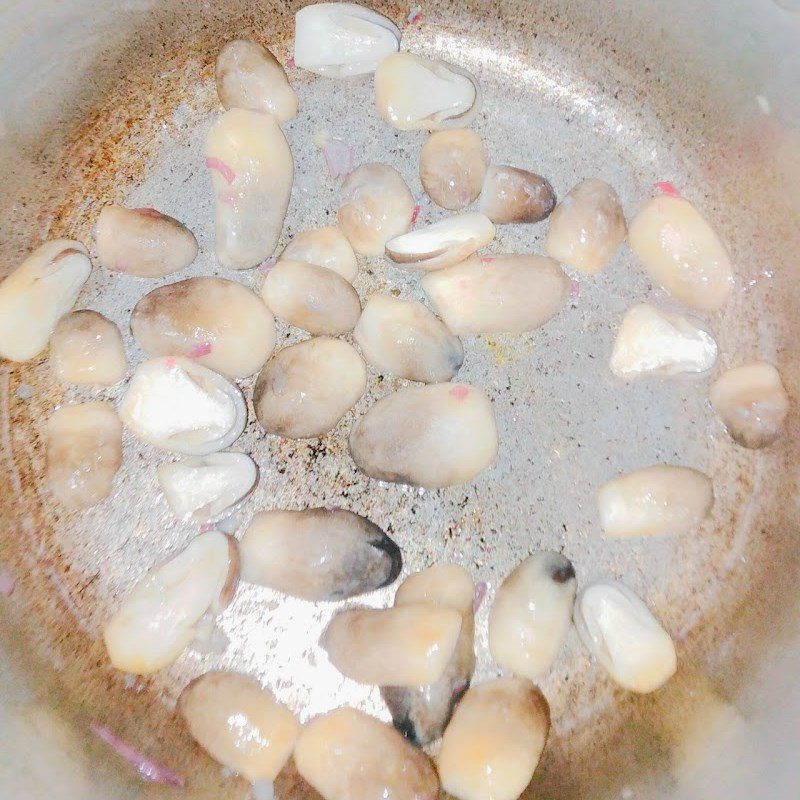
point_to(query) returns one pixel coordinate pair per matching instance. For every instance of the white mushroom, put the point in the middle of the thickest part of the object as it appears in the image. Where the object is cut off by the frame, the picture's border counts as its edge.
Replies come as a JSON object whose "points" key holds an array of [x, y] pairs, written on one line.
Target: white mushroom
{"points": [[442, 243], [84, 452], [318, 554], [249, 76], [654, 342], [618, 629], [432, 436], [37, 294], [305, 389], [510, 194], [159, 618], [143, 242], [493, 744], [338, 40], [327, 247], [86, 348], [408, 645], [655, 501], [414, 92], [376, 206], [348, 755], [586, 227], [251, 171], [239, 724], [177, 405], [311, 297], [219, 323], [452, 166], [531, 614], [207, 488], [680, 251], [498, 293], [403, 338]]}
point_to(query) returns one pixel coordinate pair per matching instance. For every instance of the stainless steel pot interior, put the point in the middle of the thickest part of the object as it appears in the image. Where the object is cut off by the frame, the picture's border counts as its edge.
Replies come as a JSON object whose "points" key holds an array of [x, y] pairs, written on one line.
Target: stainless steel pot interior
{"points": [[107, 102]]}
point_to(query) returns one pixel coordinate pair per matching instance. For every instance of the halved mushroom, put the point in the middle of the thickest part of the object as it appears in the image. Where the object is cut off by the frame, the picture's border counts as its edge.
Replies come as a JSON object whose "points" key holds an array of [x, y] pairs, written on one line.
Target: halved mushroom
{"points": [[159, 618], [348, 755], [318, 554], [338, 40], [376, 206], [619, 630], [654, 342], [414, 92], [498, 293], [311, 297], [531, 614], [305, 389], [84, 452], [403, 338], [239, 724], [177, 405], [35, 296], [452, 166], [207, 488], [655, 501], [432, 436], [442, 243], [680, 251], [752, 402], [327, 247], [219, 323], [86, 348], [510, 194], [251, 171], [493, 744], [586, 227], [408, 645], [249, 76], [143, 242]]}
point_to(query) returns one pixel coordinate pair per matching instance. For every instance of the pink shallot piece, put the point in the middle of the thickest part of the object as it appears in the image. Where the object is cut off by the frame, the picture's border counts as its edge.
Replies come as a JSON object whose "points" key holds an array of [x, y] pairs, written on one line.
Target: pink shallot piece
{"points": [[170, 362], [265, 266], [480, 594], [415, 214], [574, 288], [459, 392], [200, 349], [291, 63], [7, 582], [212, 162], [415, 15], [206, 527], [337, 153], [487, 259], [665, 187]]}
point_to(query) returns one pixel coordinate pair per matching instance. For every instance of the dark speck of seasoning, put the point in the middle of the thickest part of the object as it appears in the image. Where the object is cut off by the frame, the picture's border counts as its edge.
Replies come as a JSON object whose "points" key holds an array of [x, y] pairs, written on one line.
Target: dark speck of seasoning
{"points": [[564, 574]]}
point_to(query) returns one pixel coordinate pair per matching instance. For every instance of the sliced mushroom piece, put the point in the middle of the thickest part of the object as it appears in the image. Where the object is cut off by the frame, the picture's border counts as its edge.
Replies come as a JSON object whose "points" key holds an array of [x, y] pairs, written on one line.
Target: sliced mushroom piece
{"points": [[752, 403], [177, 405], [376, 206], [408, 645], [442, 243], [655, 501], [452, 166], [84, 452], [305, 389], [348, 755], [432, 436], [510, 194], [239, 724], [318, 554], [680, 251], [86, 348], [586, 227], [493, 744], [654, 342], [35, 296], [403, 338], [252, 172], [327, 247], [219, 323], [338, 40], [619, 630], [311, 297], [413, 92], [249, 76], [498, 293], [159, 618], [207, 488]]}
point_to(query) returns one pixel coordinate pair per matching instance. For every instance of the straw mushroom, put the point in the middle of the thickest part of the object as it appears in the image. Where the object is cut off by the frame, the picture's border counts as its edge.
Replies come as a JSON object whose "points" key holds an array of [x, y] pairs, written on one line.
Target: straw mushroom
{"points": [[452, 166], [86, 348], [510, 194], [327, 247]]}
